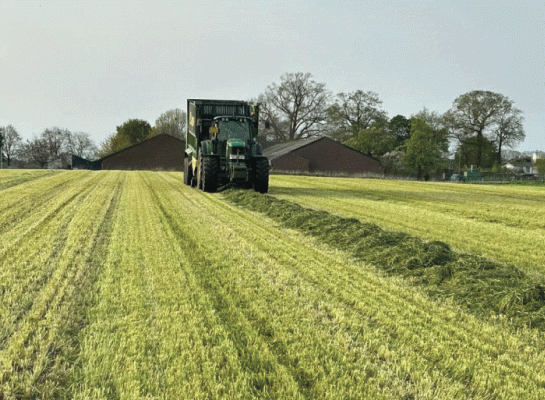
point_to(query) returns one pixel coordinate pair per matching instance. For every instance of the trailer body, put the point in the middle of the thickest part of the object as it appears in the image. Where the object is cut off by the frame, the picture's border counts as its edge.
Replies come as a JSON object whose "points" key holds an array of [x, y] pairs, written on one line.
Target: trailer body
{"points": [[221, 146]]}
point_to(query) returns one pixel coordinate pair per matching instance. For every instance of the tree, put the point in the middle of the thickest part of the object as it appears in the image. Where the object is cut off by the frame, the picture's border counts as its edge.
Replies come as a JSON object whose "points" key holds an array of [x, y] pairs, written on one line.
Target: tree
{"points": [[131, 132], [172, 123], [11, 142], [135, 130], [81, 145], [475, 114], [439, 127], [509, 130], [467, 153], [354, 112], [400, 129], [423, 152], [295, 108], [56, 140], [375, 140], [36, 151], [540, 165]]}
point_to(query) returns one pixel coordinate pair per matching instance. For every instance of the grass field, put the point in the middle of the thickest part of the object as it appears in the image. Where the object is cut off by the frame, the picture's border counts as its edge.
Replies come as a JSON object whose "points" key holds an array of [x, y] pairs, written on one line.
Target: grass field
{"points": [[129, 285], [501, 222]]}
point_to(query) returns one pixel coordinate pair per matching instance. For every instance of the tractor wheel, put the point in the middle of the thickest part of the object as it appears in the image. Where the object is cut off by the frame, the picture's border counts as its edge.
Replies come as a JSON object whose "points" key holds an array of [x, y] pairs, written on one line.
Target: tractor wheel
{"points": [[209, 177], [188, 172], [261, 175]]}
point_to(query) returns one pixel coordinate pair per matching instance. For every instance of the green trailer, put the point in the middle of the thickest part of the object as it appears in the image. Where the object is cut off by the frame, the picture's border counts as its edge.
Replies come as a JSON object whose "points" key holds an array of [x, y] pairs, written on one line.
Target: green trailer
{"points": [[221, 146]]}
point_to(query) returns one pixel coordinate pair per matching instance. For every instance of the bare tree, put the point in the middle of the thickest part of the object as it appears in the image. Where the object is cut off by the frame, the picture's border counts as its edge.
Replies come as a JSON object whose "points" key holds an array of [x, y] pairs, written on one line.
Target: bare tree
{"points": [[35, 151], [56, 140], [172, 123], [295, 108], [81, 145], [353, 112], [12, 141], [509, 130]]}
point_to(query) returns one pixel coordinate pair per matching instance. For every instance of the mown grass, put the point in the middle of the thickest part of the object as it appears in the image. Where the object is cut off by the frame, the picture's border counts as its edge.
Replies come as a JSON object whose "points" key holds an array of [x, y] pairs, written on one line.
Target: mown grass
{"points": [[483, 287], [158, 290], [49, 259], [502, 222]]}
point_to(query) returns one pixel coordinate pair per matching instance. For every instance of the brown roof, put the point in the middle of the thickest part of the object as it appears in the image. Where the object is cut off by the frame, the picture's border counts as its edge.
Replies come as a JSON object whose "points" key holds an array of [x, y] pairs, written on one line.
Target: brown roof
{"points": [[158, 152]]}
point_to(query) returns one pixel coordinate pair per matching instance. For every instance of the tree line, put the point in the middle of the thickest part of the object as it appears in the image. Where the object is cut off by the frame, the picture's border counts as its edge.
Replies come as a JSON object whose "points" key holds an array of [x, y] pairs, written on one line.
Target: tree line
{"points": [[480, 124], [55, 146]]}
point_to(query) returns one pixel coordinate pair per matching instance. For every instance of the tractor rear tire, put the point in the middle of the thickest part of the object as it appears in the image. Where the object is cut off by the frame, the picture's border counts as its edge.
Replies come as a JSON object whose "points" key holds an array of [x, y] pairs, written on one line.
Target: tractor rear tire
{"points": [[261, 175], [209, 171], [188, 172]]}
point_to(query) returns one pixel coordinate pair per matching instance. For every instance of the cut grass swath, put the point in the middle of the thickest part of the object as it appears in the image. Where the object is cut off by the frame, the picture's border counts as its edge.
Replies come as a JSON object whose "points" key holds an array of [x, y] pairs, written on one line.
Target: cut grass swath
{"points": [[502, 222], [483, 287]]}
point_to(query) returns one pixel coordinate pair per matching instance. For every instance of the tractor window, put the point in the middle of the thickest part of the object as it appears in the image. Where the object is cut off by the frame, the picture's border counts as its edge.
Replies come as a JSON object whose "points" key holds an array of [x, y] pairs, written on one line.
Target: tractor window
{"points": [[238, 128]]}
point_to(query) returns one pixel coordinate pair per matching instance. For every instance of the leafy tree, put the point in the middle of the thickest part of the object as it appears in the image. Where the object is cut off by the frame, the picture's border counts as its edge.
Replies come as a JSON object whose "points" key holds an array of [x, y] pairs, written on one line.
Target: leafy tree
{"points": [[475, 114], [540, 165], [135, 130], [509, 130], [11, 142], [172, 123], [439, 127], [400, 129], [131, 132], [354, 112], [468, 153], [112, 144], [423, 151], [295, 108], [375, 140]]}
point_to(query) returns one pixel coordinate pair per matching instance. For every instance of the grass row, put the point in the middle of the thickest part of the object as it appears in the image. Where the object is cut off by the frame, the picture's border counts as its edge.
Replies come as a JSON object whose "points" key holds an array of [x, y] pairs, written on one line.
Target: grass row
{"points": [[224, 304], [46, 276], [501, 222], [482, 287], [163, 291]]}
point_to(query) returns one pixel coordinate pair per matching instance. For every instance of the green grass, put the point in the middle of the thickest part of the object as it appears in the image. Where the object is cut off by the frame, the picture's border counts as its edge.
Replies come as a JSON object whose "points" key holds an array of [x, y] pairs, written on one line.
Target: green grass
{"points": [[136, 286], [484, 288], [502, 222]]}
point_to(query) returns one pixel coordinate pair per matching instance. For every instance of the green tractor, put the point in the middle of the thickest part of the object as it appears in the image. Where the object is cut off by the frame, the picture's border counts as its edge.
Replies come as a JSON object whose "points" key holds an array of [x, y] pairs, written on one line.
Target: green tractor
{"points": [[221, 146]]}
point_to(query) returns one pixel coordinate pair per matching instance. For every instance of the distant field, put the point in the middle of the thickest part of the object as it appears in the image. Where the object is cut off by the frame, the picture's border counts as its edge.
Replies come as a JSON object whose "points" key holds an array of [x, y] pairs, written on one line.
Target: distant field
{"points": [[502, 222], [131, 285]]}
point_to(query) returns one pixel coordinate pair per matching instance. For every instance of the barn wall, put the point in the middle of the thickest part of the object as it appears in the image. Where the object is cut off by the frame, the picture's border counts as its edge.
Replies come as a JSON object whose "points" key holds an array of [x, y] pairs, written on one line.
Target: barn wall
{"points": [[331, 156], [291, 162], [163, 152]]}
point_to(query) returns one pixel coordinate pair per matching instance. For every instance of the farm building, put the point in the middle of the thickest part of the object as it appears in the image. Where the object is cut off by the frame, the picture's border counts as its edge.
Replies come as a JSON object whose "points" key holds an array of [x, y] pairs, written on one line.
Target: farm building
{"points": [[320, 154], [161, 152], [82, 163]]}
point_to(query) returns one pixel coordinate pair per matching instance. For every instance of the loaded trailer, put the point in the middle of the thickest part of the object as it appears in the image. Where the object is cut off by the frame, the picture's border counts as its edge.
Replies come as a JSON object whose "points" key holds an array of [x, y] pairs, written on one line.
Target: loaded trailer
{"points": [[221, 146]]}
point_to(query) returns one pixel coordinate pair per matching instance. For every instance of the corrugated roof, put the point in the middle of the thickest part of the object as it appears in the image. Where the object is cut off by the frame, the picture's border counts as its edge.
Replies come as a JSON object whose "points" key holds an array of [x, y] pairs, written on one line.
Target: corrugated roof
{"points": [[280, 149]]}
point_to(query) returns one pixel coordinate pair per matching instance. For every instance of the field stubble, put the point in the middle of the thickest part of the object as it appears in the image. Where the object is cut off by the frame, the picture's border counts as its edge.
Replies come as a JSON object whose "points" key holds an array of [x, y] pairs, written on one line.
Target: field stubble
{"points": [[191, 297]]}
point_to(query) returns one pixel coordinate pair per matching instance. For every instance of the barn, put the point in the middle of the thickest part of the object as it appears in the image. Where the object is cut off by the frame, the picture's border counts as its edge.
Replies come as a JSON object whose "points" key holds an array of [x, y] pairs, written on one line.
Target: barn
{"points": [[320, 155], [161, 152]]}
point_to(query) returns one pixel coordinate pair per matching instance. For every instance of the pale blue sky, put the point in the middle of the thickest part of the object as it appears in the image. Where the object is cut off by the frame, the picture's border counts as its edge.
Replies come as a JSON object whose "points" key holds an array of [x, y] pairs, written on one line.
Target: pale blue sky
{"points": [[90, 66]]}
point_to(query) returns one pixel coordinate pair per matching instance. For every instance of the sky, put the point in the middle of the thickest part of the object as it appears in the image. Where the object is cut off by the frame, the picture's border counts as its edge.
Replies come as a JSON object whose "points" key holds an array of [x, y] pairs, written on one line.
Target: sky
{"points": [[89, 66]]}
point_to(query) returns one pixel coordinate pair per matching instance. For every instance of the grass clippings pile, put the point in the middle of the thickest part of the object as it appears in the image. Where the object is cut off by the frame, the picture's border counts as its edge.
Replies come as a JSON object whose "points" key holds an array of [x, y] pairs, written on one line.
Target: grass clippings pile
{"points": [[482, 287]]}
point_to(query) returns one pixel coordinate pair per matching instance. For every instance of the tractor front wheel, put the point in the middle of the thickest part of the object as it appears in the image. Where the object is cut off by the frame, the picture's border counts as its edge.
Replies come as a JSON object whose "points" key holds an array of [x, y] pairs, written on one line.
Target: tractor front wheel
{"points": [[261, 175], [209, 173]]}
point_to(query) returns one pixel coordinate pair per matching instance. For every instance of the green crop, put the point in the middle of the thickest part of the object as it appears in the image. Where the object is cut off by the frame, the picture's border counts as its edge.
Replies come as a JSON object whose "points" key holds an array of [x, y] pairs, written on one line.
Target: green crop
{"points": [[132, 285], [502, 222]]}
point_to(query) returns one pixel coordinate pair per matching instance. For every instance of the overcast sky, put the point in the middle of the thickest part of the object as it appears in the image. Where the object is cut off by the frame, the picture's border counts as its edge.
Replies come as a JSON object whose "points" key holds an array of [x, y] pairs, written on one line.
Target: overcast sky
{"points": [[90, 66]]}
